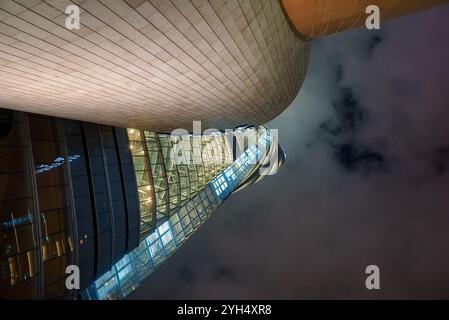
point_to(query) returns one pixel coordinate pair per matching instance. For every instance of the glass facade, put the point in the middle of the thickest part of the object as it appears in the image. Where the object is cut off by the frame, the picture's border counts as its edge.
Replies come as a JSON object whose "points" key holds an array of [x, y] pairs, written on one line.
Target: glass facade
{"points": [[186, 172], [166, 181], [145, 184], [57, 233], [82, 200], [160, 181], [114, 202], [68, 196], [173, 231], [19, 249]]}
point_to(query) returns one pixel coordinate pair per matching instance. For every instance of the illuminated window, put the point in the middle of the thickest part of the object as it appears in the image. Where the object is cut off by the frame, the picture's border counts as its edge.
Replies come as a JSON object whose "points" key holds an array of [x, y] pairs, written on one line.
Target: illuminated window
{"points": [[143, 179], [230, 173], [182, 222], [220, 184]]}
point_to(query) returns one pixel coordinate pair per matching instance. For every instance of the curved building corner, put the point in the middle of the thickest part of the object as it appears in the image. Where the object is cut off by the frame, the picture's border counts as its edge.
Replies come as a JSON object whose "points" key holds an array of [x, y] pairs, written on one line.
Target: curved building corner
{"points": [[317, 18], [153, 65]]}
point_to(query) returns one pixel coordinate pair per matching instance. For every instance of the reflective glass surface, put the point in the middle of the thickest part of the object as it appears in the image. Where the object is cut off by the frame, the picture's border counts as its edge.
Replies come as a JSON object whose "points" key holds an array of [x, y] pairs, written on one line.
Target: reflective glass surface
{"points": [[172, 232]]}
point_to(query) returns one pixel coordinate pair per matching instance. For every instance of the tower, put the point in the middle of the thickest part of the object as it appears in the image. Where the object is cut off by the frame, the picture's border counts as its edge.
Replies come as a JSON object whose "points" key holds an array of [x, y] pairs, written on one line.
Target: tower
{"points": [[113, 202], [90, 174]]}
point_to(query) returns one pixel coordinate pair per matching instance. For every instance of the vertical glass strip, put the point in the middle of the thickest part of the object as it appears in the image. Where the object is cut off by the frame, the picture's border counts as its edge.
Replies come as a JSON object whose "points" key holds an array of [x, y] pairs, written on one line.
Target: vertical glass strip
{"points": [[57, 233], [160, 180], [19, 262], [142, 169]]}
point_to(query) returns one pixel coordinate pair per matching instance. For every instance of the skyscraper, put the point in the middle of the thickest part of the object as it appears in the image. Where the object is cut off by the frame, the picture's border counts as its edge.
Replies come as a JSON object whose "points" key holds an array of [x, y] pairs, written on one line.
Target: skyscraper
{"points": [[90, 174], [114, 202]]}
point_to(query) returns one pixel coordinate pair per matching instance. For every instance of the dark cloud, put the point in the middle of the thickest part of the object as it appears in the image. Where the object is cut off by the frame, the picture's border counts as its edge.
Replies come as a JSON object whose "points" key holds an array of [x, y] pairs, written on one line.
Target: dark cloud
{"points": [[372, 43], [349, 114], [311, 230], [343, 128], [352, 158]]}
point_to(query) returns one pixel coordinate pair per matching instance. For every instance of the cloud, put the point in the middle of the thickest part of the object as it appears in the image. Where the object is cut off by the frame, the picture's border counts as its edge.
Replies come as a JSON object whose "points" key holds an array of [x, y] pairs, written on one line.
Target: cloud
{"points": [[343, 128], [373, 101], [372, 43], [352, 157]]}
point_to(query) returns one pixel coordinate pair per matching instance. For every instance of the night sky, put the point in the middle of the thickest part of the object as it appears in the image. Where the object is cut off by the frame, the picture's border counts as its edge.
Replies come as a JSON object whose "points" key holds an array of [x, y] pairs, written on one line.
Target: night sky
{"points": [[366, 182]]}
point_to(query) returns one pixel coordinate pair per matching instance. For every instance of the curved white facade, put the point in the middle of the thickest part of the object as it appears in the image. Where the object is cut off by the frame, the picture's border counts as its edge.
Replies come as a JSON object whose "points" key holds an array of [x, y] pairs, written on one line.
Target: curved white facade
{"points": [[151, 64]]}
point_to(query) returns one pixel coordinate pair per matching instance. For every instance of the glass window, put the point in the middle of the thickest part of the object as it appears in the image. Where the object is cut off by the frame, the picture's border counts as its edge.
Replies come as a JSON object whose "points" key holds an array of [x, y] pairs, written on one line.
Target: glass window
{"points": [[144, 181], [165, 239]]}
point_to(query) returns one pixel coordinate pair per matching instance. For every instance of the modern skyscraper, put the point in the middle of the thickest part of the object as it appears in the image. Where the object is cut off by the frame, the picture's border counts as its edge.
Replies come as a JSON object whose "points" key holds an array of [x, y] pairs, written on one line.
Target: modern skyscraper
{"points": [[79, 188], [114, 202]]}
